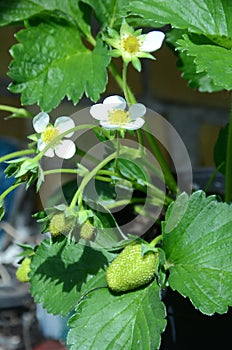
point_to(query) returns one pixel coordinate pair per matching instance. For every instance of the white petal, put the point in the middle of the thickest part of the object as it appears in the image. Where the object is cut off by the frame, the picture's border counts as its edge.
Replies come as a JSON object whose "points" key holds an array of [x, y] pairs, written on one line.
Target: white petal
{"points": [[153, 41], [41, 145], [66, 149], [64, 124], [40, 122], [134, 125], [99, 111], [115, 101], [109, 126], [49, 153], [137, 110]]}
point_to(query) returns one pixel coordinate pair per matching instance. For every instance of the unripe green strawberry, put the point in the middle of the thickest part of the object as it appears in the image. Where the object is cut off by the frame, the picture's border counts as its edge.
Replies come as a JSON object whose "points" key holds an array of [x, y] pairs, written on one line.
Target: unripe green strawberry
{"points": [[60, 225], [131, 269], [23, 270], [86, 230]]}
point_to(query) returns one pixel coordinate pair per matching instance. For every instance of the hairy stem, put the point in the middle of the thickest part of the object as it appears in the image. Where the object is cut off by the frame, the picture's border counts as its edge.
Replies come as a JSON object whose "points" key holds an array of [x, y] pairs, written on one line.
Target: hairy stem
{"points": [[8, 190], [156, 240], [79, 193], [125, 86], [17, 112], [16, 154], [113, 70]]}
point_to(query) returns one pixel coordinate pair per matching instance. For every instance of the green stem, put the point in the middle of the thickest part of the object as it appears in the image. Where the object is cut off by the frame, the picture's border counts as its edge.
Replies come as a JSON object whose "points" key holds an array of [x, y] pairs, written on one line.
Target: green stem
{"points": [[228, 189], [90, 39], [122, 82], [8, 190], [212, 177], [159, 193], [117, 152], [57, 171], [169, 179], [153, 168], [140, 137], [103, 178], [82, 153], [142, 151], [79, 193], [107, 172], [124, 202], [113, 70], [20, 112], [114, 13], [156, 192], [16, 154], [156, 240], [125, 86]]}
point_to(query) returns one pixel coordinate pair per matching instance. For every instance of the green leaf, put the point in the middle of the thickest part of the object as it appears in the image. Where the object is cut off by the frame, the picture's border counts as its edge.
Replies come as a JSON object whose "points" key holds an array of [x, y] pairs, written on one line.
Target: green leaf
{"points": [[62, 270], [104, 192], [107, 232], [198, 251], [178, 210], [186, 64], [206, 66], [16, 10], [200, 80], [220, 149], [111, 12], [19, 10], [58, 65], [198, 16], [28, 250], [130, 321], [132, 170], [108, 11], [214, 60]]}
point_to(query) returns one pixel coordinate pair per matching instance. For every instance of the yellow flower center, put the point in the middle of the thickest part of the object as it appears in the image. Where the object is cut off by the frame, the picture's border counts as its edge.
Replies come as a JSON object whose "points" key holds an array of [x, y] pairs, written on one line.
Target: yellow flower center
{"points": [[131, 44], [119, 117], [50, 134]]}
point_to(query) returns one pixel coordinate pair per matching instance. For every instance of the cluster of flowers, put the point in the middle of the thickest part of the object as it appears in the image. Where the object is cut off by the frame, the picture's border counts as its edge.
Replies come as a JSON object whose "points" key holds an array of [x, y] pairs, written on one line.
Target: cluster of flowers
{"points": [[114, 113]]}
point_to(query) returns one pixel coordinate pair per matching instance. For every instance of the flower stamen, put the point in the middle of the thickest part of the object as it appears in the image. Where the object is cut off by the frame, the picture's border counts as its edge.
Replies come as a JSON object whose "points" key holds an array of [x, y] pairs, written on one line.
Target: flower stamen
{"points": [[119, 117], [131, 44], [49, 134]]}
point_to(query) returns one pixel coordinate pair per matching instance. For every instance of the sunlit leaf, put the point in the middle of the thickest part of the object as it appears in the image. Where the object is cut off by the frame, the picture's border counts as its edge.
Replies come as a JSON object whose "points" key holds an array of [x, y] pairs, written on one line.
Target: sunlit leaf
{"points": [[198, 251], [62, 270], [131, 321], [51, 62]]}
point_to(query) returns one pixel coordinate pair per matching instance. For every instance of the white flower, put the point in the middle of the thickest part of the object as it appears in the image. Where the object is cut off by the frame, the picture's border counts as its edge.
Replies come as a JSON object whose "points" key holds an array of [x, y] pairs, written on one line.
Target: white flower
{"points": [[112, 114], [132, 45], [63, 148]]}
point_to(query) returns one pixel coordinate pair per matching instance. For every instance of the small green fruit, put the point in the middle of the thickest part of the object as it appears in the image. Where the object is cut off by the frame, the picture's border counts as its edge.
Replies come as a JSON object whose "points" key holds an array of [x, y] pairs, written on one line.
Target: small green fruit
{"points": [[23, 270], [86, 230], [59, 225], [131, 269]]}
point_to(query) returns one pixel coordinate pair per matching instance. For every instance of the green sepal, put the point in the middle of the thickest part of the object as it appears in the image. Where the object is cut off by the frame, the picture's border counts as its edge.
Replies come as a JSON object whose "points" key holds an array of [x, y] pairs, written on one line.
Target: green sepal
{"points": [[136, 63]]}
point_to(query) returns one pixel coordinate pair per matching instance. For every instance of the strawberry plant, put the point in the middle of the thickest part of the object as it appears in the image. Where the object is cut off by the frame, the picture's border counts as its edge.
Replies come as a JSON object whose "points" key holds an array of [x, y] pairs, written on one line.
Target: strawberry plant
{"points": [[125, 228]]}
